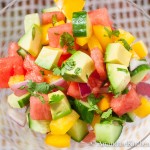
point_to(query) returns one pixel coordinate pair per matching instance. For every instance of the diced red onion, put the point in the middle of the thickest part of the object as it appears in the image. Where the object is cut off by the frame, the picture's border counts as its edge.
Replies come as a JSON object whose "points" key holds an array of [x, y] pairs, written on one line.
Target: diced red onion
{"points": [[18, 115], [143, 88], [84, 89], [17, 91], [60, 82], [104, 90]]}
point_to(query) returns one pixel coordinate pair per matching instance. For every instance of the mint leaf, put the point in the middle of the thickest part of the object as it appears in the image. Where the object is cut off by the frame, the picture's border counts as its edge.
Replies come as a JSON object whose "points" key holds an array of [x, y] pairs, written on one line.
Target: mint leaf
{"points": [[54, 19], [106, 114], [125, 43], [66, 39], [55, 98], [77, 70], [92, 101]]}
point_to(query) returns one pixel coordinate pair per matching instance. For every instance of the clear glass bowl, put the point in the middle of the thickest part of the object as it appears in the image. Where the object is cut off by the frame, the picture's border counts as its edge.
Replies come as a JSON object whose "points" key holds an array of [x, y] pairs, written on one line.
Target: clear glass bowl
{"points": [[124, 14]]}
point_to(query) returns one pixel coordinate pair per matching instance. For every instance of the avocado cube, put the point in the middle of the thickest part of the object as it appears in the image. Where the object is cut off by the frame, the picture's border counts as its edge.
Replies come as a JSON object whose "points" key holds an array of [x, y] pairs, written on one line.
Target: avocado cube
{"points": [[59, 104], [48, 57], [84, 66], [117, 54], [118, 76], [30, 20], [31, 41]]}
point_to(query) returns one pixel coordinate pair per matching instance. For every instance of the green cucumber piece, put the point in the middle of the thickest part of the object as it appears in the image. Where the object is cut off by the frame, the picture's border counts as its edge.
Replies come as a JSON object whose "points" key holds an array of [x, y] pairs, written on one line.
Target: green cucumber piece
{"points": [[23, 53], [81, 24], [41, 126], [52, 9], [107, 132], [61, 108], [82, 109], [138, 74], [18, 101], [78, 131], [130, 117]]}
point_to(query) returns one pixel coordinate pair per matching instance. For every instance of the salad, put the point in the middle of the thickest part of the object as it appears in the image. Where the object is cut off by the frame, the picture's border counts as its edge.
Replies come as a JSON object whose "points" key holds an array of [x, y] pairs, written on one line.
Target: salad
{"points": [[76, 76]]}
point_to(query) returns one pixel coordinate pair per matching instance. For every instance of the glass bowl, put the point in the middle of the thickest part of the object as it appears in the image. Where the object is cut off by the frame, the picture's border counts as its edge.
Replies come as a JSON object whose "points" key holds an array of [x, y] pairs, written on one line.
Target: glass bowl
{"points": [[125, 14]]}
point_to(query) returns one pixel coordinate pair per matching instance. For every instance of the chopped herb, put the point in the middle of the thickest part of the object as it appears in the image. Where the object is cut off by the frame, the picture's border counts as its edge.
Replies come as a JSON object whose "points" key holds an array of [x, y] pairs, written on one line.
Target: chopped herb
{"points": [[106, 114], [111, 33], [125, 43], [92, 100], [67, 39], [56, 33], [42, 72], [33, 33], [56, 98], [77, 71], [123, 70], [54, 19], [111, 90], [71, 51], [69, 64], [125, 91], [22, 87]]}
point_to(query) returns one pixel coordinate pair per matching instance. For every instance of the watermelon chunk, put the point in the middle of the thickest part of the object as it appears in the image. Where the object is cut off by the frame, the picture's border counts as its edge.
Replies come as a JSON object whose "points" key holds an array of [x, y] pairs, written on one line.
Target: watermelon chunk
{"points": [[13, 48], [100, 17], [125, 103], [39, 110]]}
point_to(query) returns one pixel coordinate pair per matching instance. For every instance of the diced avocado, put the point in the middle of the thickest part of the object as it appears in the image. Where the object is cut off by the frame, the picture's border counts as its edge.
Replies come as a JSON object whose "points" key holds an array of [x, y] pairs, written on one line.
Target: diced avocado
{"points": [[48, 57], [52, 9], [83, 67], [118, 76], [41, 126], [59, 104], [78, 131], [31, 41], [18, 101], [117, 54], [138, 74], [82, 109], [30, 20], [107, 132]]}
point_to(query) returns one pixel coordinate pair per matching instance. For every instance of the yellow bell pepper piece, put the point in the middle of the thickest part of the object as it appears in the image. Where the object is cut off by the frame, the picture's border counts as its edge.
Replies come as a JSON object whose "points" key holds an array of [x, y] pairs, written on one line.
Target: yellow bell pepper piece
{"points": [[62, 125], [60, 141], [59, 23], [144, 109], [104, 103], [140, 49], [93, 43], [68, 6], [45, 28], [124, 35], [15, 79], [102, 35], [82, 41], [134, 54], [96, 119]]}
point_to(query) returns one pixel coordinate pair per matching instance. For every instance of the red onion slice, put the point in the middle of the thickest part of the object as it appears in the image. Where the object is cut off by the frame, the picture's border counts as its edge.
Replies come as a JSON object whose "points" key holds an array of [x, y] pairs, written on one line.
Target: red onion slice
{"points": [[84, 89], [143, 88], [18, 115], [60, 82], [17, 91]]}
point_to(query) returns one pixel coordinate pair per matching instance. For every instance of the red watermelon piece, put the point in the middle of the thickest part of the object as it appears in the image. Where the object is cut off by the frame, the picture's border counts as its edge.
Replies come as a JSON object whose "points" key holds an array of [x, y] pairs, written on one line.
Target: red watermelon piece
{"points": [[39, 110], [13, 48], [125, 103], [100, 17]]}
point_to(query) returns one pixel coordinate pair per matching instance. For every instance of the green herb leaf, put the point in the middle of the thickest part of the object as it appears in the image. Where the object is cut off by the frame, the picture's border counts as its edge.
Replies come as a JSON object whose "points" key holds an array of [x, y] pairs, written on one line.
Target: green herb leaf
{"points": [[22, 87], [69, 64], [56, 98], [66, 39], [125, 43], [77, 71], [71, 51], [42, 72], [106, 114], [92, 100], [57, 71], [125, 91], [123, 70], [42, 88], [111, 33], [54, 19], [33, 33]]}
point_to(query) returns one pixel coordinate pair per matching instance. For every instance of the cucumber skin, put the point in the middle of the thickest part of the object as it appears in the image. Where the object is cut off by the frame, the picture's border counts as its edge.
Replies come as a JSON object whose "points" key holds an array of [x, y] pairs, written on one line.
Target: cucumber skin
{"points": [[79, 22], [139, 69], [106, 127], [24, 101], [23, 53]]}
